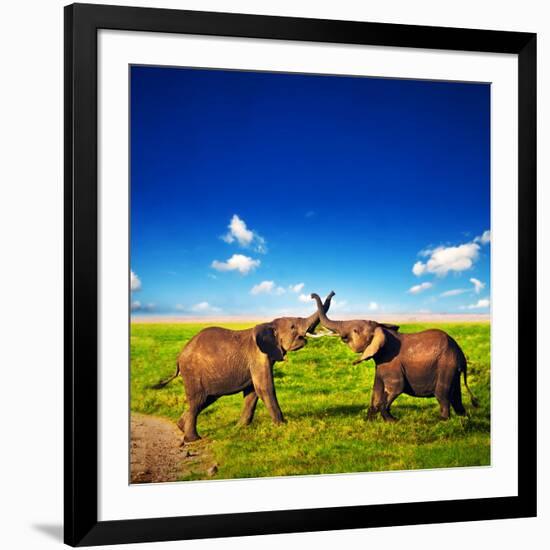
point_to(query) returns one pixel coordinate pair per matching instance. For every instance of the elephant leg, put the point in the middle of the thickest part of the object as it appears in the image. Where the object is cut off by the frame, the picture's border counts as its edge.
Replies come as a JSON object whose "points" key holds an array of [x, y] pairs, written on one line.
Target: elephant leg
{"points": [[456, 398], [250, 401], [377, 398], [442, 396], [390, 398], [265, 389], [188, 420], [393, 388]]}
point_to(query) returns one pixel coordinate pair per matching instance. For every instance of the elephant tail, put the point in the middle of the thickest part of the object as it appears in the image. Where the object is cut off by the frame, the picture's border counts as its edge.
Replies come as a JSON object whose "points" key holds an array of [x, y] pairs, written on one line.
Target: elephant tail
{"points": [[163, 383], [473, 398]]}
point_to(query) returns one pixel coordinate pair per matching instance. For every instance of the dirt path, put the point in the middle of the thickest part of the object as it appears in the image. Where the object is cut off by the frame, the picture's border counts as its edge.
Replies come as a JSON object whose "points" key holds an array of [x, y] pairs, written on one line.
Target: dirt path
{"points": [[156, 454]]}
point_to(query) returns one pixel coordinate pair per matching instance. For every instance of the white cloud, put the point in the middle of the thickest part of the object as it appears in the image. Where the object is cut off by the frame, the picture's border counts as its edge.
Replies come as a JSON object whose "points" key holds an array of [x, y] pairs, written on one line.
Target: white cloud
{"points": [[444, 259], [417, 289], [419, 268], [267, 287], [481, 303], [426, 252], [478, 285], [484, 238], [237, 262], [373, 306], [297, 288], [136, 305], [135, 282], [204, 307], [454, 292], [338, 304], [239, 232], [304, 298]]}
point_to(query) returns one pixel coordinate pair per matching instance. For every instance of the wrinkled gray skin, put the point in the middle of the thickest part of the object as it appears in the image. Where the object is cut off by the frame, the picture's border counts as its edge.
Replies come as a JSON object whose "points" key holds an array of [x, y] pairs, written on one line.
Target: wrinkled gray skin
{"points": [[421, 364], [218, 361]]}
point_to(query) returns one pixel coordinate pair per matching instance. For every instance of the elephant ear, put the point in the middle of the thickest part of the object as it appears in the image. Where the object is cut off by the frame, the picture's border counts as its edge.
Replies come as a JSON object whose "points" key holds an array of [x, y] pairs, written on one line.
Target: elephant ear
{"points": [[266, 340], [378, 340], [389, 326]]}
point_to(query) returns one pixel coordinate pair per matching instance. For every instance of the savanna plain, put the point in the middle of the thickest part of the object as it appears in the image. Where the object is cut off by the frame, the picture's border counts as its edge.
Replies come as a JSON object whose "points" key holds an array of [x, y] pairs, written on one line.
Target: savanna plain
{"points": [[324, 399]]}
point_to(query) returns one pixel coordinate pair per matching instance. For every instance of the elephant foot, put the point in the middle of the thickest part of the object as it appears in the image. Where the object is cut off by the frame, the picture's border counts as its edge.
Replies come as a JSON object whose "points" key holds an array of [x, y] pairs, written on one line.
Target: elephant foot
{"points": [[189, 429], [191, 438], [371, 414], [460, 412], [243, 422]]}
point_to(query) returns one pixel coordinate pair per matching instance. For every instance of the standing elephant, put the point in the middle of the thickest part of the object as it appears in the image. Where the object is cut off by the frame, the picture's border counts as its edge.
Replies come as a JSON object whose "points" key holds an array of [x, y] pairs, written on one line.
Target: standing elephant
{"points": [[218, 361], [422, 364]]}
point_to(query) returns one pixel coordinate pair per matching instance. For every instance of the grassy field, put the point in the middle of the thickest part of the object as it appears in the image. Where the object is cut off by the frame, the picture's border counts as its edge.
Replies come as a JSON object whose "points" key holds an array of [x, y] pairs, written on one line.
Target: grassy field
{"points": [[324, 399]]}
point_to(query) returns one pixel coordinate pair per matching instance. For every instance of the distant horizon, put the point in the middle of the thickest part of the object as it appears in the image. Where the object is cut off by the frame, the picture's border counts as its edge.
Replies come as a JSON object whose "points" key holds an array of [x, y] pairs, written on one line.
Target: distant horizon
{"points": [[400, 318], [250, 190]]}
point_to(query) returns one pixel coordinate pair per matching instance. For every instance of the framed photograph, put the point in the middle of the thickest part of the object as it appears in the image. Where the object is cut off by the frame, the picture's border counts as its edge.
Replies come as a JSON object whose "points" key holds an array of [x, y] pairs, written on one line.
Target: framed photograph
{"points": [[300, 274]]}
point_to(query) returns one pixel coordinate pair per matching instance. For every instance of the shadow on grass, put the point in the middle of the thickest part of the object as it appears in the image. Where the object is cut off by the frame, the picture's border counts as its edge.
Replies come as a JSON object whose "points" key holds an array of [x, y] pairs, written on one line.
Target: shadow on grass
{"points": [[337, 411]]}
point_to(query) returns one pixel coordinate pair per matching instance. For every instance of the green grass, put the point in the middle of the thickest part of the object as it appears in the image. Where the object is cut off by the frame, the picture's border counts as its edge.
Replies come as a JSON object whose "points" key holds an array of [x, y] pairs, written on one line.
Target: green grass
{"points": [[324, 399]]}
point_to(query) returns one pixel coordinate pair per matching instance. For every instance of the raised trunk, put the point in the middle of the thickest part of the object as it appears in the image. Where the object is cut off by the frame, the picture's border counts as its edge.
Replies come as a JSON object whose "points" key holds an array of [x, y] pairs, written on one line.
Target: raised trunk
{"points": [[325, 321], [312, 321]]}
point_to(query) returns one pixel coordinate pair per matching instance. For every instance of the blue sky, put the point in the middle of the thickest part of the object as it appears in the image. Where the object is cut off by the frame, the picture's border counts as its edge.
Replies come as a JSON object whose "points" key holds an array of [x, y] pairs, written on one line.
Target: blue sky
{"points": [[251, 190]]}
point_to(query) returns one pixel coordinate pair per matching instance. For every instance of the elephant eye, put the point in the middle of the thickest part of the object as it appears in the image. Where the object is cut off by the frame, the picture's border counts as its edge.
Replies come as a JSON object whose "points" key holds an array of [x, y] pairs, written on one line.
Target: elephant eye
{"points": [[292, 327]]}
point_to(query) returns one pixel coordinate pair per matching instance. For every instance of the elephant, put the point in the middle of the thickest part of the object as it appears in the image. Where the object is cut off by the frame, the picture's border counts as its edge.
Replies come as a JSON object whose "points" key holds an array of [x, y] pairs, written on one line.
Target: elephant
{"points": [[219, 361], [421, 364]]}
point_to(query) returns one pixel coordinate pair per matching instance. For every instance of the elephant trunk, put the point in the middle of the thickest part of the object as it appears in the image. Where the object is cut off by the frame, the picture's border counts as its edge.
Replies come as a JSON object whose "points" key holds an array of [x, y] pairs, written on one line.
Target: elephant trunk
{"points": [[312, 321], [325, 321]]}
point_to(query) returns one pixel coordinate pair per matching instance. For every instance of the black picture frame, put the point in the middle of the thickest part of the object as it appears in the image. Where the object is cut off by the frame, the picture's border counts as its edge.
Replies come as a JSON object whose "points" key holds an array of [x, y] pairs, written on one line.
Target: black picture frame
{"points": [[82, 22]]}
